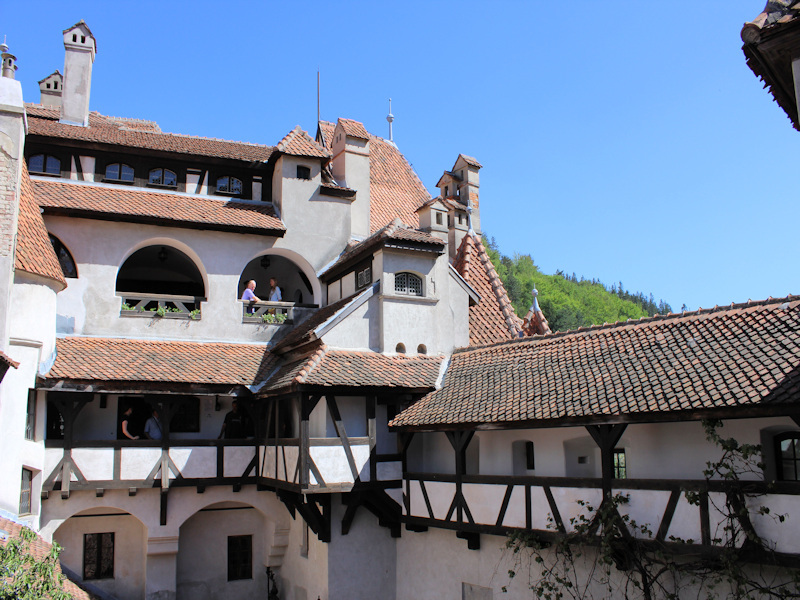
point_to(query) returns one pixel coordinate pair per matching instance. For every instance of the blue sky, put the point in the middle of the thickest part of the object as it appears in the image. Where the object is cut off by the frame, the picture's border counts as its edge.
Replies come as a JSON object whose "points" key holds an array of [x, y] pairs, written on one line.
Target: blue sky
{"points": [[625, 141]]}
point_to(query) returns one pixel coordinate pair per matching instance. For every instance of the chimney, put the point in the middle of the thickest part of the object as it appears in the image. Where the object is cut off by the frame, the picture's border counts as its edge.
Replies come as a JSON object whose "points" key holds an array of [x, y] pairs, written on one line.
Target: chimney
{"points": [[433, 218], [80, 48], [350, 167], [50, 89], [9, 62]]}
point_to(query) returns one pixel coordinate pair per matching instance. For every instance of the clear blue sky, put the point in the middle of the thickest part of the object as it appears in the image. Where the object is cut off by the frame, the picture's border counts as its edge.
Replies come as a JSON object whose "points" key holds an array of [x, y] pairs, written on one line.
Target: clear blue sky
{"points": [[625, 141]]}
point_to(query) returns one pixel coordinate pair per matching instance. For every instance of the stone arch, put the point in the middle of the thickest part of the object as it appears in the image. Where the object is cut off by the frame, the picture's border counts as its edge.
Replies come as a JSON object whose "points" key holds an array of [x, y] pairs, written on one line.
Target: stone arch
{"points": [[296, 277]]}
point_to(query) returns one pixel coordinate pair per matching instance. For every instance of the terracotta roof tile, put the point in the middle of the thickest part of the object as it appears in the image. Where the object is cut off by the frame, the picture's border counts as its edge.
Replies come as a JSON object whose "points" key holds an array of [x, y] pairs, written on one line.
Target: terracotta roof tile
{"points": [[134, 133], [112, 359], [473, 162], [354, 129], [140, 205], [327, 367], [395, 189], [740, 355], [34, 252], [396, 231], [40, 549], [492, 319], [298, 143]]}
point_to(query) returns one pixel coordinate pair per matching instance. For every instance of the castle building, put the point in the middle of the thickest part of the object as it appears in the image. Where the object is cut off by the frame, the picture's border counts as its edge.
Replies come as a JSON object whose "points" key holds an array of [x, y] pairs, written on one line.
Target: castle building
{"points": [[371, 418]]}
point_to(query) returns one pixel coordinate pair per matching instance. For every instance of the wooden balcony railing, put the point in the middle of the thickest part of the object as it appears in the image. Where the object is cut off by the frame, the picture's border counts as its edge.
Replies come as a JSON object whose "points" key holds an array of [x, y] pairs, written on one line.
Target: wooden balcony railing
{"points": [[274, 313], [160, 305]]}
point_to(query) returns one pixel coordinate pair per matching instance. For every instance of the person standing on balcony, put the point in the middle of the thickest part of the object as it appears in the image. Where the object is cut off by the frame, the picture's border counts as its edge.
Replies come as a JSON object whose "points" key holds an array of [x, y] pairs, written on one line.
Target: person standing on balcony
{"points": [[233, 428], [249, 296], [124, 425], [152, 429], [274, 290]]}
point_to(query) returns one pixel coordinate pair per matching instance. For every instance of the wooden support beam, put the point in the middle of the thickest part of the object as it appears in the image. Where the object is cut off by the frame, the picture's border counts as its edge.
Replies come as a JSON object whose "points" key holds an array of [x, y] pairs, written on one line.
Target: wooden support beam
{"points": [[473, 539], [338, 424], [131, 491], [99, 492]]}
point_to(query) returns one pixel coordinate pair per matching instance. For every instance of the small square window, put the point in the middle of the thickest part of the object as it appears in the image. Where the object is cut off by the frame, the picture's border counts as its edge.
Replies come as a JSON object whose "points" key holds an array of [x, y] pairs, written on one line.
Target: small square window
{"points": [[303, 172], [240, 557], [98, 556]]}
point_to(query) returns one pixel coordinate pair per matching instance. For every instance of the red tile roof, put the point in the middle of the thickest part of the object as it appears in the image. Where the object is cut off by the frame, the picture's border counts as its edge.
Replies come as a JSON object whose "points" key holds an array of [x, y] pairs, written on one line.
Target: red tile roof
{"points": [[492, 319], [139, 205], [535, 322], [34, 252], [473, 162], [298, 143], [394, 231], [39, 550], [132, 133], [395, 189], [327, 368], [651, 369], [354, 129], [124, 360]]}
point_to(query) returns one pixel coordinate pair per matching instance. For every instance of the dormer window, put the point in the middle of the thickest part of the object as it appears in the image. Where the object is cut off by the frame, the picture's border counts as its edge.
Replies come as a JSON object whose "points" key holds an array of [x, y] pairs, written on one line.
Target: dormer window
{"points": [[363, 275], [119, 172], [407, 284], [44, 163], [303, 172], [229, 185], [163, 177]]}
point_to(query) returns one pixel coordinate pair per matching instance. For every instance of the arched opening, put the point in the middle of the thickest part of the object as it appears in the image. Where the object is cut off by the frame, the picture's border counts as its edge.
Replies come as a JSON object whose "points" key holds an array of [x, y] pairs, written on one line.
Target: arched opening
{"points": [[160, 270], [400, 348], [235, 569], [106, 547], [68, 268], [294, 285], [421, 349]]}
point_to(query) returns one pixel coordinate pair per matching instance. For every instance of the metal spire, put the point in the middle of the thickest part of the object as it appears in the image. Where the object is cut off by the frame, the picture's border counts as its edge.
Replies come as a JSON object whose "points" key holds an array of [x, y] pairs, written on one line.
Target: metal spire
{"points": [[390, 118]]}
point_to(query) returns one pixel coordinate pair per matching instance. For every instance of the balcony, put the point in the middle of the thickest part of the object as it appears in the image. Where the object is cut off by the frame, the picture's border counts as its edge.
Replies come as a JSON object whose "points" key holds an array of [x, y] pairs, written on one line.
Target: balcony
{"points": [[160, 305]]}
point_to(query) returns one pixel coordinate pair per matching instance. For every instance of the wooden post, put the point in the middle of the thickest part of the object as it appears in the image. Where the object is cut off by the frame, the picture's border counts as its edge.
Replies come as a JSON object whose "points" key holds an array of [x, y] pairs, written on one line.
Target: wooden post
{"points": [[372, 433], [606, 437]]}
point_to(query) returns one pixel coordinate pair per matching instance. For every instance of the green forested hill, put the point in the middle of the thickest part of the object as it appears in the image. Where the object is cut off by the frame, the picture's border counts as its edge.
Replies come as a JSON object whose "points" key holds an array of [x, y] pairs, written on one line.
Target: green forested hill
{"points": [[569, 302]]}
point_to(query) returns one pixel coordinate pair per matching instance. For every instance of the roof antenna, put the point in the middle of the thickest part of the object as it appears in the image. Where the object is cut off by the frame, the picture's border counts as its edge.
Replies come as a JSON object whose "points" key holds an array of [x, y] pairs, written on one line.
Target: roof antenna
{"points": [[390, 118], [469, 217], [317, 95]]}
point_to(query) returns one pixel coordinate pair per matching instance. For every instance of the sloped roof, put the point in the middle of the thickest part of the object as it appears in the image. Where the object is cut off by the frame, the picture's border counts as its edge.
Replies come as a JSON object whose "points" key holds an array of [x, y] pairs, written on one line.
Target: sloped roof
{"points": [[34, 252], [394, 231], [395, 189], [298, 143], [43, 120], [658, 368], [40, 549], [473, 162], [126, 360], [770, 42], [354, 129], [139, 205], [327, 368], [492, 319]]}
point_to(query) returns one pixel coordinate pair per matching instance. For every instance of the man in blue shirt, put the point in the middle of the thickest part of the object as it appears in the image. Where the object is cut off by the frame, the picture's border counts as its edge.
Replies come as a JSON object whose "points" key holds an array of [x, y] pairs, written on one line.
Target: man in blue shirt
{"points": [[152, 428]]}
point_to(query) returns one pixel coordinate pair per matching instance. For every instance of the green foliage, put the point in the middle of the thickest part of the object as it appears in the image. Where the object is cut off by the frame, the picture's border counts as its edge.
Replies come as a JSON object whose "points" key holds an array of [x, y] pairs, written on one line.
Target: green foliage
{"points": [[24, 577], [569, 302], [273, 318], [194, 314]]}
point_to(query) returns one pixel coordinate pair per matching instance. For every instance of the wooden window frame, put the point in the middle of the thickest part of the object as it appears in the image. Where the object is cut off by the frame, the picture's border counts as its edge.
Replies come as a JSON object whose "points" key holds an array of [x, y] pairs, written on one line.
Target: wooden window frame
{"points": [[779, 459], [119, 179], [403, 287], [46, 160], [227, 188], [100, 554], [160, 182], [26, 492], [240, 557], [620, 467]]}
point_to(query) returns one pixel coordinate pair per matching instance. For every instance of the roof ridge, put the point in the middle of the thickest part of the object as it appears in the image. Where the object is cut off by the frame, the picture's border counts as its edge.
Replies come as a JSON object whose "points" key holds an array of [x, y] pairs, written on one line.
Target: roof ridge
{"points": [[497, 286], [634, 322], [312, 363]]}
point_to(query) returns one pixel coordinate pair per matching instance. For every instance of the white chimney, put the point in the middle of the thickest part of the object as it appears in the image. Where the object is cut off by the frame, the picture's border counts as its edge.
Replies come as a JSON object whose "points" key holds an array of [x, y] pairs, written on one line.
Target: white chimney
{"points": [[80, 48], [50, 89]]}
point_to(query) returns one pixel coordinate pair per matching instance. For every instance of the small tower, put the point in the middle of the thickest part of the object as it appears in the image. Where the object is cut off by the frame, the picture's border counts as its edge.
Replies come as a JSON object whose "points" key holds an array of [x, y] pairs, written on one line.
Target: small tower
{"points": [[80, 49], [9, 62], [50, 89], [535, 322]]}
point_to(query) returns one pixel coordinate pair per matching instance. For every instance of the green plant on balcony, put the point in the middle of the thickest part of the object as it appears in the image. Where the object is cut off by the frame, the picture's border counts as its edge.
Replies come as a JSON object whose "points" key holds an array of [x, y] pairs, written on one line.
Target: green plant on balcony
{"points": [[194, 315], [273, 318], [126, 306]]}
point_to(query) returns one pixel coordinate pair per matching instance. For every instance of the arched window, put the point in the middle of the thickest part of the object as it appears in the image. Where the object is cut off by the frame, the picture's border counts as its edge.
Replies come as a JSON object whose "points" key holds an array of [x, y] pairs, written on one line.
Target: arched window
{"points": [[119, 172], [163, 177], [407, 284], [161, 270], [65, 259], [421, 349], [787, 452], [44, 163], [229, 185]]}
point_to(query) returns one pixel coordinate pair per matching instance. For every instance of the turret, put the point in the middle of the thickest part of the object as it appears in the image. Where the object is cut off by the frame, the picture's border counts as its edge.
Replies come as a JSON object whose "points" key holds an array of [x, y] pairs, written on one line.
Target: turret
{"points": [[351, 169], [50, 89]]}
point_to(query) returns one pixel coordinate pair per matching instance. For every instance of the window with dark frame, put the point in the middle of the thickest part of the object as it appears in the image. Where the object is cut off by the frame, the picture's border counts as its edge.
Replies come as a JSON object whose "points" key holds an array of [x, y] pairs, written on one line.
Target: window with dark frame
{"points": [[530, 463], [119, 172], [163, 177], [620, 466], [186, 415], [240, 557], [229, 185], [407, 284], [787, 451], [30, 416], [303, 172], [98, 556], [25, 492], [44, 163]]}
